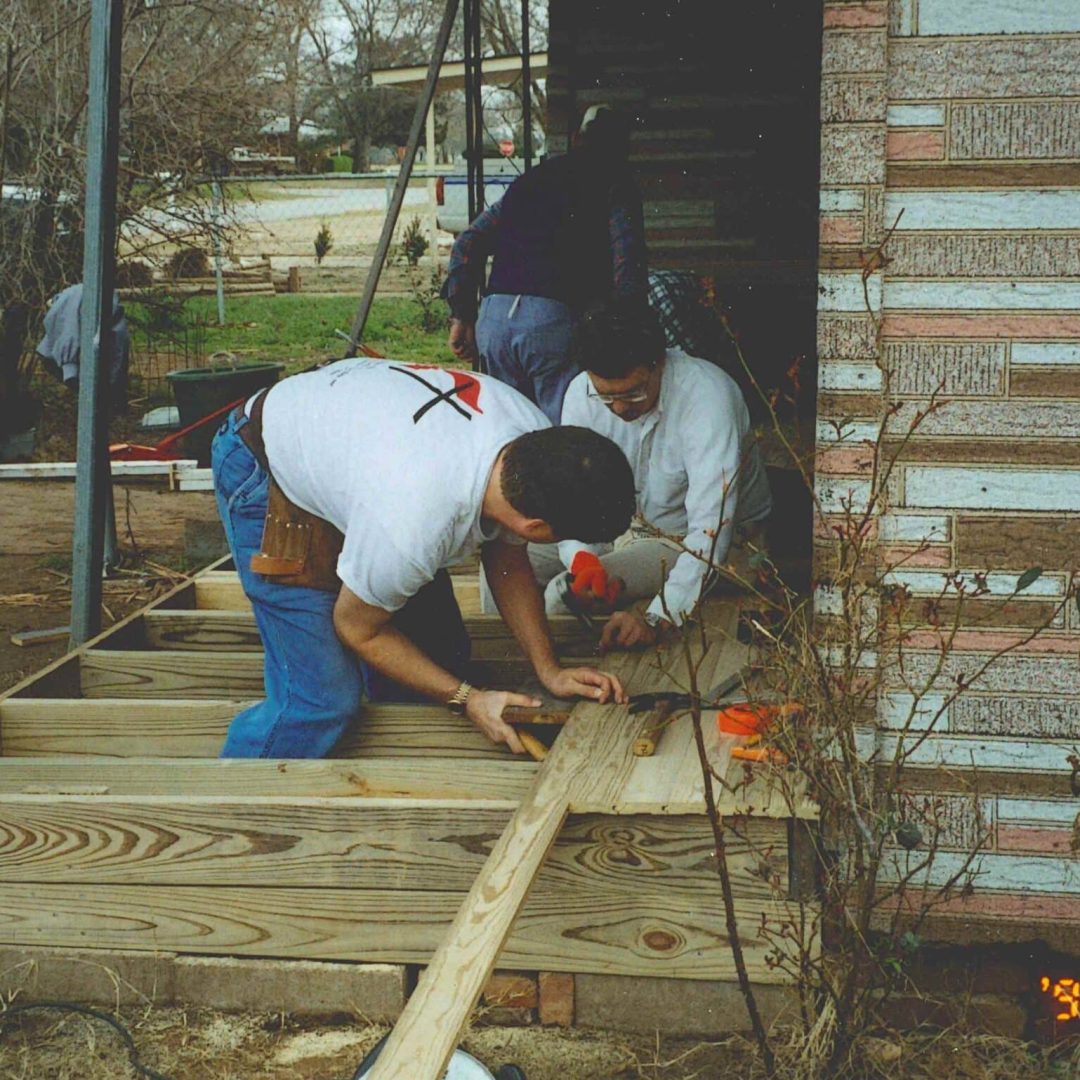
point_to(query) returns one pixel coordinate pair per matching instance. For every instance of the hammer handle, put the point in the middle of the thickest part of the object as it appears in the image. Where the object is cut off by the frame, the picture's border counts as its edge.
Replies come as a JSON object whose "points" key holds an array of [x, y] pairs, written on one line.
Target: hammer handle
{"points": [[646, 743], [537, 750]]}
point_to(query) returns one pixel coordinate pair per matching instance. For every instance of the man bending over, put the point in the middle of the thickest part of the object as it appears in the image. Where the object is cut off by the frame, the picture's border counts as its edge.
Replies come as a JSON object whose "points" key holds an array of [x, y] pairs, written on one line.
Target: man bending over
{"points": [[350, 487]]}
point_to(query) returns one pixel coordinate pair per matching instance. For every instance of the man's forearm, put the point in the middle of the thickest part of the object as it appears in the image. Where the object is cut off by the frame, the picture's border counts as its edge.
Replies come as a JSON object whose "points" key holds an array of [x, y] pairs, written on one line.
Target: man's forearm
{"points": [[392, 654], [521, 604]]}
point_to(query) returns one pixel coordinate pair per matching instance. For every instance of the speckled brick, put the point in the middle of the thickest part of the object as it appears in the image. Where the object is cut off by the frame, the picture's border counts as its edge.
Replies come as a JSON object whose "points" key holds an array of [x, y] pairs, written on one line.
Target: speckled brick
{"points": [[993, 419], [1020, 717], [1015, 543], [846, 337], [852, 153], [846, 99], [921, 367], [915, 145], [853, 51], [961, 255], [959, 821], [1011, 130], [867, 13], [1009, 674], [984, 67]]}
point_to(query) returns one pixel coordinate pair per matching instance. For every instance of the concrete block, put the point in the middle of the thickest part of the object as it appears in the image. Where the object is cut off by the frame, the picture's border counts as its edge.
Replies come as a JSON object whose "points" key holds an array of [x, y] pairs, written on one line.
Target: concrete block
{"points": [[298, 987], [88, 976], [674, 1007], [556, 998]]}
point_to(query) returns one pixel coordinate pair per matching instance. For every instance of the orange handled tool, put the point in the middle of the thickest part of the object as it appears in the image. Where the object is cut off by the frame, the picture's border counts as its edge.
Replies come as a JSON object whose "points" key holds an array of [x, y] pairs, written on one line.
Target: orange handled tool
{"points": [[589, 579]]}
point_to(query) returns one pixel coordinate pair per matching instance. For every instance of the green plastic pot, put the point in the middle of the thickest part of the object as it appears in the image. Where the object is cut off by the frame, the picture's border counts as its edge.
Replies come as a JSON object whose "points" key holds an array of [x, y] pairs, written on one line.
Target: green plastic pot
{"points": [[202, 391]]}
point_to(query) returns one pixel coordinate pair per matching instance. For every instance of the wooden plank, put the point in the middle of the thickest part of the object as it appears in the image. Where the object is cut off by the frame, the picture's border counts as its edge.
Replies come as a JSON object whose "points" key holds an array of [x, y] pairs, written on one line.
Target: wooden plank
{"points": [[160, 727], [385, 778], [222, 591], [668, 933], [206, 630], [423, 1039], [183, 673], [119, 673], [422, 845], [62, 677]]}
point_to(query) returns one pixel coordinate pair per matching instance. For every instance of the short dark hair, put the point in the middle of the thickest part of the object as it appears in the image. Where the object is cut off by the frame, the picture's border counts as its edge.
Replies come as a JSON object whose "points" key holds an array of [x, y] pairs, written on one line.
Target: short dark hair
{"points": [[576, 480], [615, 336]]}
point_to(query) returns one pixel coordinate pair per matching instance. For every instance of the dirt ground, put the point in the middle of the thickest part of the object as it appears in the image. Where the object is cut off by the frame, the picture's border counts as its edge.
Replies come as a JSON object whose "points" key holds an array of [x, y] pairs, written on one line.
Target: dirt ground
{"points": [[159, 531], [203, 1045]]}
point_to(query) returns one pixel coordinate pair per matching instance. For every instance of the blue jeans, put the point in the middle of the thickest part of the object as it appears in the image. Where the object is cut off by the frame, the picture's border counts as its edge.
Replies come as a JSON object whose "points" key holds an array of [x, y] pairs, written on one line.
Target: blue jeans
{"points": [[524, 341], [314, 685]]}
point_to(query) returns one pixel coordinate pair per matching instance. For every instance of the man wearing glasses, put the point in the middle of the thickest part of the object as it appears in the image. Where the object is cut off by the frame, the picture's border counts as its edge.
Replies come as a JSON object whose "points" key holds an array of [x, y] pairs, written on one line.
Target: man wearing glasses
{"points": [[702, 492]]}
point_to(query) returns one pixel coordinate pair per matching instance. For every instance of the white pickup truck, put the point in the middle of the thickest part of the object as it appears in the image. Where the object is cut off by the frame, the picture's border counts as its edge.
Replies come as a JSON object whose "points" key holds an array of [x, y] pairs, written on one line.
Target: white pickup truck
{"points": [[452, 191]]}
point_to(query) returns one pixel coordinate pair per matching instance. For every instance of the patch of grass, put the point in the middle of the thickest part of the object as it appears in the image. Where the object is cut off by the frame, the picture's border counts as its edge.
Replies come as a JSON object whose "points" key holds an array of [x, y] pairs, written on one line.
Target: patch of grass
{"points": [[299, 329]]}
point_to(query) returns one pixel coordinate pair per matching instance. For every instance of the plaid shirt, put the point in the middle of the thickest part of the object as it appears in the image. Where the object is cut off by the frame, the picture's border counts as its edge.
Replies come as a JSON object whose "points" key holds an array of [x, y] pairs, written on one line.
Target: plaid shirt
{"points": [[682, 301], [464, 276]]}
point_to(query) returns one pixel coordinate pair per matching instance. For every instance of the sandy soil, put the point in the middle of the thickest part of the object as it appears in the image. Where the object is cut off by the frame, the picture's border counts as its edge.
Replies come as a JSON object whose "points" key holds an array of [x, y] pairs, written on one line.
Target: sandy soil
{"points": [[35, 558]]}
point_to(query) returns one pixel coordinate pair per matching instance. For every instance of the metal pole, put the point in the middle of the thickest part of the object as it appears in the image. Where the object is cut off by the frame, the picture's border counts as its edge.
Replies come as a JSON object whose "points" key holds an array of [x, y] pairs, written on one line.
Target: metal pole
{"points": [[415, 133], [526, 85], [99, 267], [215, 190], [470, 113], [478, 105], [433, 208]]}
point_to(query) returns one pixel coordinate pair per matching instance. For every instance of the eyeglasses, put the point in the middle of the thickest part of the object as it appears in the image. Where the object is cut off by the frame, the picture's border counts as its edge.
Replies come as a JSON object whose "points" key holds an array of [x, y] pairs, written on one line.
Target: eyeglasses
{"points": [[630, 397]]}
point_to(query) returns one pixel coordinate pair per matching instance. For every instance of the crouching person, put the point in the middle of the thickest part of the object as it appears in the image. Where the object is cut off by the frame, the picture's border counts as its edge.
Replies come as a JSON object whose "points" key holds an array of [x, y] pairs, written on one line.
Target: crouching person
{"points": [[346, 490], [685, 429]]}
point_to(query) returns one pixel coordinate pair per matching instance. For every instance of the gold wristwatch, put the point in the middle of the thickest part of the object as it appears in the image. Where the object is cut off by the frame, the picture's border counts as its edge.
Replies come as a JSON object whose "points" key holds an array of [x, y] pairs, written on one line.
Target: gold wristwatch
{"points": [[456, 704]]}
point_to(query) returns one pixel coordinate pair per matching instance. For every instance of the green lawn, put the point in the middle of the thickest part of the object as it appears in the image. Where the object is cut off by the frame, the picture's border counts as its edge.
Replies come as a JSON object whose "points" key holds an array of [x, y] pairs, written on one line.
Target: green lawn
{"points": [[299, 329]]}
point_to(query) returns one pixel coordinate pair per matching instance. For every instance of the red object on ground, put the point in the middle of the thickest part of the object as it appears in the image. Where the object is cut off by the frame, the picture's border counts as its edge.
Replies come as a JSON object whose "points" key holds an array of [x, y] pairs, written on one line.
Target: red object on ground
{"points": [[168, 448], [589, 579]]}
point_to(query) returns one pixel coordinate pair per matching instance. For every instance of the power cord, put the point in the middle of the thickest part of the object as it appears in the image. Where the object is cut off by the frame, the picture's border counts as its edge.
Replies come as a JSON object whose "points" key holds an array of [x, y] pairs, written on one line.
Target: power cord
{"points": [[95, 1014]]}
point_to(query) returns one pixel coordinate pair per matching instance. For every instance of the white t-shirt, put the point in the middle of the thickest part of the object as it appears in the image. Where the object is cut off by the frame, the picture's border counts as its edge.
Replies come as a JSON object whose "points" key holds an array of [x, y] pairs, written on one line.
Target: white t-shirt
{"points": [[397, 456], [695, 465]]}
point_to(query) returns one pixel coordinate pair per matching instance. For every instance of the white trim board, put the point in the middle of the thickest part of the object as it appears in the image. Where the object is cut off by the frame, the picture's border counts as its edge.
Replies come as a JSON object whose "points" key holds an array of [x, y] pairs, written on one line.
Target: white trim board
{"points": [[65, 470]]}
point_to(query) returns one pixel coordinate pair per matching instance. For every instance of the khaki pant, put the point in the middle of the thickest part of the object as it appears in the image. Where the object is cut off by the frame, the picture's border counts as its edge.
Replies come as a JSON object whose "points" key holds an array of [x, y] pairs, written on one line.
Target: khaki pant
{"points": [[642, 561]]}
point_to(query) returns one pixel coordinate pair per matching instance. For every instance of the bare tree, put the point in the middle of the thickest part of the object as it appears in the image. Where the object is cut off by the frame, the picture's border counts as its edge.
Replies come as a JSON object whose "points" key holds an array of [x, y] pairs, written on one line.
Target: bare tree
{"points": [[191, 78], [378, 33]]}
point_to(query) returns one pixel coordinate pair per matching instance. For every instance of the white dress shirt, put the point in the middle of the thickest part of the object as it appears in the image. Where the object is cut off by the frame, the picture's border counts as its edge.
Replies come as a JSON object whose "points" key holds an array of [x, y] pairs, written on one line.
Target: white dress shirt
{"points": [[697, 469]]}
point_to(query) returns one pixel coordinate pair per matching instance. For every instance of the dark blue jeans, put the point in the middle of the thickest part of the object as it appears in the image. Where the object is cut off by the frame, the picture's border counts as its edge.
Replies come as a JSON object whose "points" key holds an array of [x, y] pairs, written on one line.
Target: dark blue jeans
{"points": [[314, 684]]}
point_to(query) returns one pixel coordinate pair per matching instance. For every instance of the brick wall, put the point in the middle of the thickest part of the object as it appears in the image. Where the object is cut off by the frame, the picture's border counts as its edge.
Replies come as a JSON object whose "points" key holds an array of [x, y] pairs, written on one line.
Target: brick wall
{"points": [[957, 123]]}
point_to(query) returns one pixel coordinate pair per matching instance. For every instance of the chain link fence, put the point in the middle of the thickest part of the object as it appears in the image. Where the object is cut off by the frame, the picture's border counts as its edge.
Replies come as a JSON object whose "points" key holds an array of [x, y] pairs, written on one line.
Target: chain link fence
{"points": [[274, 234]]}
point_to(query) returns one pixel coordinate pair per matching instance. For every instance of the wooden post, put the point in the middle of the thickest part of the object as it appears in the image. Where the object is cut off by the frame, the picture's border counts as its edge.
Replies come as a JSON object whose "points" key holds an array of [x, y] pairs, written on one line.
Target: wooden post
{"points": [[295, 284]]}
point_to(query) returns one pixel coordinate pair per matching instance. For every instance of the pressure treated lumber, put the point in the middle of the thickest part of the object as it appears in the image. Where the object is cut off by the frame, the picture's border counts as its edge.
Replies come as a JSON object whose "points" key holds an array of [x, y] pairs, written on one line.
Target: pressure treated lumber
{"points": [[655, 934], [61, 678], [591, 759], [180, 728], [402, 778], [235, 631], [221, 590], [416, 845], [184, 673]]}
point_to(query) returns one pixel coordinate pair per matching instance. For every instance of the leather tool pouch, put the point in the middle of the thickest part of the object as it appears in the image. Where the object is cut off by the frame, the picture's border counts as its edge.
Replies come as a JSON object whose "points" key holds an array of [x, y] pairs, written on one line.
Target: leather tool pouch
{"points": [[297, 548]]}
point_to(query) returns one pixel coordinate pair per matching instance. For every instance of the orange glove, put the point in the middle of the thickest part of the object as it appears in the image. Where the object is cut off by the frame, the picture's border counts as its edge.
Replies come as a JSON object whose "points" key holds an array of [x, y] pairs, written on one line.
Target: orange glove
{"points": [[589, 579]]}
